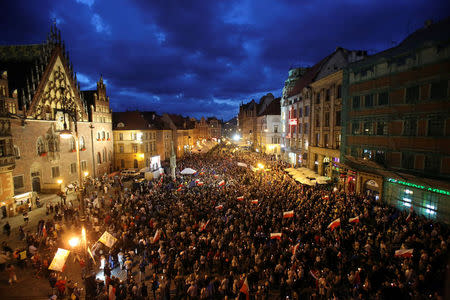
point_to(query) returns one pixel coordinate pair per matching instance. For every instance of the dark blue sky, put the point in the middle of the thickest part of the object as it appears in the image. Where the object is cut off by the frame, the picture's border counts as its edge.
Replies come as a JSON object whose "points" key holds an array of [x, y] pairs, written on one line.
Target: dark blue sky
{"points": [[202, 58]]}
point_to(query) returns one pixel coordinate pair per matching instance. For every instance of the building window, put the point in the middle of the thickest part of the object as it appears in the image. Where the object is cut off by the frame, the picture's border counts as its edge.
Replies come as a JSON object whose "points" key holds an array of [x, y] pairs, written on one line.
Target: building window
{"points": [[325, 140], [317, 120], [432, 164], [383, 98], [407, 160], [410, 127], [73, 168], [2, 148], [338, 118], [107, 135], [300, 111], [355, 128], [439, 89], [121, 148], [436, 127], [83, 165], [368, 130], [306, 111], [146, 147], [337, 141], [40, 146], [339, 91], [327, 119], [104, 155], [55, 172], [412, 94], [135, 148], [355, 102], [305, 128], [103, 135], [18, 182], [122, 163], [16, 152], [327, 95], [275, 128], [382, 128], [368, 100], [98, 135], [317, 139], [318, 98], [99, 158], [380, 156], [82, 143], [72, 144], [120, 136]]}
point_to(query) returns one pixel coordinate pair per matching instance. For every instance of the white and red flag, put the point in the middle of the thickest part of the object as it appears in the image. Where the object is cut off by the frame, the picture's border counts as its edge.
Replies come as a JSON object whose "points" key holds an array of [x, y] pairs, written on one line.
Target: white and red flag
{"points": [[354, 220], [245, 289], [334, 224], [222, 183], [216, 176], [254, 201], [219, 207], [200, 183], [404, 253], [240, 198], [276, 236], [157, 236], [179, 189], [203, 226], [288, 214]]}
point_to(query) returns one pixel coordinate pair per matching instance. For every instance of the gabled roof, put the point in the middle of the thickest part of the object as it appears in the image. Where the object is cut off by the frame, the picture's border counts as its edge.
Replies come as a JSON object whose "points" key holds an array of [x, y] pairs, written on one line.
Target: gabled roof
{"points": [[88, 97], [181, 122]]}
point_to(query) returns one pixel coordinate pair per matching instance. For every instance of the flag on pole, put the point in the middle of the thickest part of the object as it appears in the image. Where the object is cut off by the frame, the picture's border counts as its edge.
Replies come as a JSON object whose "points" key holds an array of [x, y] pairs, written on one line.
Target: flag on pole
{"points": [[288, 214], [276, 236], [219, 207], [245, 289], [203, 226], [156, 236], [59, 260], [179, 189], [254, 201], [294, 249], [240, 198], [334, 224], [354, 220], [90, 254], [107, 239], [222, 183], [404, 253]]}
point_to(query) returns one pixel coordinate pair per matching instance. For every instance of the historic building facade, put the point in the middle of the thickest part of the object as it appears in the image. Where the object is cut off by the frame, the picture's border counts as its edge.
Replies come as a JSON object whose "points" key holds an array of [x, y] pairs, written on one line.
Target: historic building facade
{"points": [[46, 96], [269, 135], [397, 123], [140, 140]]}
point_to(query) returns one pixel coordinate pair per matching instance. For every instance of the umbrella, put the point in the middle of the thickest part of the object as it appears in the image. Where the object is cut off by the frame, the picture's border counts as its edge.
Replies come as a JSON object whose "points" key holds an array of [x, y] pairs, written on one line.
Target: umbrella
{"points": [[188, 171]]}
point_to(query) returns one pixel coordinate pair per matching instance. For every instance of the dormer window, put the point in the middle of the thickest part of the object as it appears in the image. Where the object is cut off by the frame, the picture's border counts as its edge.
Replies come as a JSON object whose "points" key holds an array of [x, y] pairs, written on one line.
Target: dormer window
{"points": [[120, 125]]}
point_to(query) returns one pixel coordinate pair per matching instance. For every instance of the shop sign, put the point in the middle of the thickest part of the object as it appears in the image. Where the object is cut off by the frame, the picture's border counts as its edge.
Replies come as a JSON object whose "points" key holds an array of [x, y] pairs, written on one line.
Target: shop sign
{"points": [[418, 186]]}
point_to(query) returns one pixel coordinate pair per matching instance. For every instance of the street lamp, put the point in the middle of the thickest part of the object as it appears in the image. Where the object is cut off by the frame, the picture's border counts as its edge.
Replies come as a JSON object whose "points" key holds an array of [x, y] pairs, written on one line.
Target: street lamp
{"points": [[75, 241], [66, 134]]}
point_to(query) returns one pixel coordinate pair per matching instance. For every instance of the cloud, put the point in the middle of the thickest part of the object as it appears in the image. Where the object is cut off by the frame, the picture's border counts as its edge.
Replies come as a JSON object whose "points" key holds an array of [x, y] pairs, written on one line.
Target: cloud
{"points": [[99, 24], [86, 2]]}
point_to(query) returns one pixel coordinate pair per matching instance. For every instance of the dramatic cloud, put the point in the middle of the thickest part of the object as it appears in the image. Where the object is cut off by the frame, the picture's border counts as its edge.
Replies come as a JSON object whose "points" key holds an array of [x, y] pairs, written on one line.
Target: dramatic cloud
{"points": [[203, 58]]}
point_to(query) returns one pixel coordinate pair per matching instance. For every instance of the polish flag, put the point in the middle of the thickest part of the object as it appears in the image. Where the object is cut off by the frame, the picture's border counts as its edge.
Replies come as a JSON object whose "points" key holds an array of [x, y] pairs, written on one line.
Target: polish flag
{"points": [[157, 236], [200, 183], [254, 201], [334, 224], [354, 220], [245, 289], [203, 226], [222, 183], [180, 185], [276, 236], [294, 249], [179, 189], [314, 274], [240, 198], [404, 253], [219, 207], [288, 214], [216, 176]]}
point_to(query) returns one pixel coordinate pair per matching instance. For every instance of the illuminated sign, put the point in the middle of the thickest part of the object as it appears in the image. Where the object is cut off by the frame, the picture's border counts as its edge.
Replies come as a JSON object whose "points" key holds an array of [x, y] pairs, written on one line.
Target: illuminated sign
{"points": [[292, 121], [418, 186]]}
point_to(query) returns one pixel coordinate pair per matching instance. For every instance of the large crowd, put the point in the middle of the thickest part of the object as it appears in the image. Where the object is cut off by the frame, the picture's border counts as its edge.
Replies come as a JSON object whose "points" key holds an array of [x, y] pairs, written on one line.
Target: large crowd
{"points": [[204, 236]]}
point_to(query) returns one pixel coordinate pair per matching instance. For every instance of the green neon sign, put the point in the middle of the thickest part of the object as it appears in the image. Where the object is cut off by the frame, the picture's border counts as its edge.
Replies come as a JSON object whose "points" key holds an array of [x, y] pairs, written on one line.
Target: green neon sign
{"points": [[418, 186]]}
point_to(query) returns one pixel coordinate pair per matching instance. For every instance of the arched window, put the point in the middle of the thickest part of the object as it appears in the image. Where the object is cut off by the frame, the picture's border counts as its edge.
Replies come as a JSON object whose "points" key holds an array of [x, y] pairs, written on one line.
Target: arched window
{"points": [[104, 155], [99, 158], [53, 145], [40, 146], [103, 135], [98, 135], [16, 152], [82, 143]]}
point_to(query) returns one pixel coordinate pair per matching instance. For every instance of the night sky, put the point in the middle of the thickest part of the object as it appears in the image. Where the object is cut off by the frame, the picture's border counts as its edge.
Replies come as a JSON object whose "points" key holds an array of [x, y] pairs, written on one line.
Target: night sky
{"points": [[203, 58]]}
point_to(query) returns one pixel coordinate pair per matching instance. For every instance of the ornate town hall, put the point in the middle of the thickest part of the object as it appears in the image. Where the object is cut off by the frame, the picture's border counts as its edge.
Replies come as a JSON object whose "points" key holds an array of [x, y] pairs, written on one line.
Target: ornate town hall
{"points": [[40, 97]]}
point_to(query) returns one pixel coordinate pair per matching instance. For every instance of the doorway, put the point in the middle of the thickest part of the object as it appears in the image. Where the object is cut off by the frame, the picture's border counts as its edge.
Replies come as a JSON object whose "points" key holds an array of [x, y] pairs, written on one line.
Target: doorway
{"points": [[36, 184]]}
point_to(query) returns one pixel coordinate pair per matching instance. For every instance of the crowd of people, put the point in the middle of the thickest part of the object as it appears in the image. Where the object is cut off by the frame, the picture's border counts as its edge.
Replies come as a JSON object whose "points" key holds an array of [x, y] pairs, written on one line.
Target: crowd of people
{"points": [[221, 234]]}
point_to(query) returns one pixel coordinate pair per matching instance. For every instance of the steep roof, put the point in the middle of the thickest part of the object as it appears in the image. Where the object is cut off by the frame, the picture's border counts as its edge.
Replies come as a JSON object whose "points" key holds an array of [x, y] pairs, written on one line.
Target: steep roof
{"points": [[274, 108], [181, 122], [136, 120]]}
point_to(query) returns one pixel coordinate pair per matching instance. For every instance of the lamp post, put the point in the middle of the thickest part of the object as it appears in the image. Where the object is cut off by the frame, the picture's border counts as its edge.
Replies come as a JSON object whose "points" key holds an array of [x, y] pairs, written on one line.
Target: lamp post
{"points": [[71, 111]]}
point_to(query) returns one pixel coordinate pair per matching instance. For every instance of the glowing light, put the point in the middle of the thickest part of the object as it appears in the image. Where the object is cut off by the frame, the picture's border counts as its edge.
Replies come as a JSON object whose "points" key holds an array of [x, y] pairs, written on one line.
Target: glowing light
{"points": [[236, 137], [86, 173], [59, 181], [261, 166], [406, 204], [75, 241], [65, 134], [418, 186], [141, 155]]}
